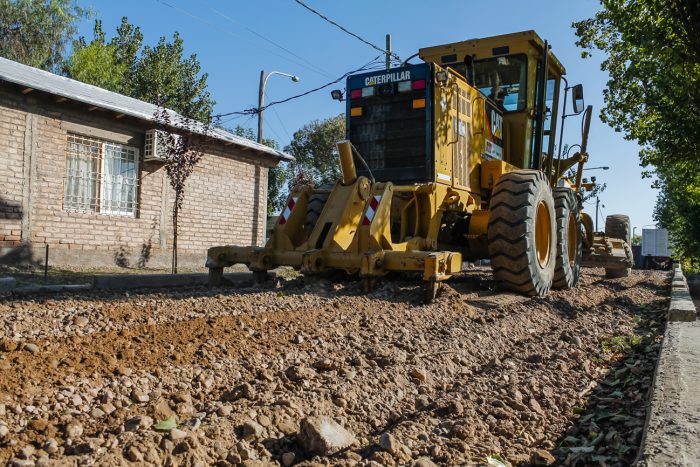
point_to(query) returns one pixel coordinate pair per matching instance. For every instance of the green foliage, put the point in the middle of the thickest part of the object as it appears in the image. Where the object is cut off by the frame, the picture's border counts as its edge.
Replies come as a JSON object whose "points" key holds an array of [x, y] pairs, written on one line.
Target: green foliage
{"points": [[678, 207], [314, 147], [36, 32], [97, 63], [690, 268], [652, 55], [595, 192], [166, 425], [621, 343], [160, 74], [637, 240], [276, 179], [162, 71], [597, 189]]}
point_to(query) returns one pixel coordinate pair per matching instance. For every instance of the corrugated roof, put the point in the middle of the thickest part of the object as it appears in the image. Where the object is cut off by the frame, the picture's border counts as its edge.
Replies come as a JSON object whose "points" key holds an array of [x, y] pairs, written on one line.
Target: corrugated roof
{"points": [[41, 80]]}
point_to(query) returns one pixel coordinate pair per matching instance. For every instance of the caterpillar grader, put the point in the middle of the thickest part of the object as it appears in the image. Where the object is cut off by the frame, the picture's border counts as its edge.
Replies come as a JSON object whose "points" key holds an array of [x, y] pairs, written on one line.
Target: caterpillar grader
{"points": [[447, 161]]}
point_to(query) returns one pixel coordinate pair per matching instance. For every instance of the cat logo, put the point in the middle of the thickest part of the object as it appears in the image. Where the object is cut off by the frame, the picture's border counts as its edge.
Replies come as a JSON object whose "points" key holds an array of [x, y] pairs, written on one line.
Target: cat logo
{"points": [[496, 124]]}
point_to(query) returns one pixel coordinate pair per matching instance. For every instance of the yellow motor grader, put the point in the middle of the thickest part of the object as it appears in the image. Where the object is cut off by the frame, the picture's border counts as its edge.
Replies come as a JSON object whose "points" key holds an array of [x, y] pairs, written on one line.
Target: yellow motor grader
{"points": [[447, 161]]}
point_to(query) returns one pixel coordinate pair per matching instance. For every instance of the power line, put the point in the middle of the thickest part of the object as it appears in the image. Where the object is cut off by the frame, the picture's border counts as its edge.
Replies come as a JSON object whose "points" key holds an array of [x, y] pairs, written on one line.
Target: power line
{"points": [[274, 109], [255, 110], [230, 119], [269, 127], [346, 31], [231, 20], [231, 33]]}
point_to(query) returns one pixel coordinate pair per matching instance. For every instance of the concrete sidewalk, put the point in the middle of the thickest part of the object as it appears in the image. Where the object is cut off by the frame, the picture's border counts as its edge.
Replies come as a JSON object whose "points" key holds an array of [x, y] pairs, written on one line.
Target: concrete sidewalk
{"points": [[673, 424]]}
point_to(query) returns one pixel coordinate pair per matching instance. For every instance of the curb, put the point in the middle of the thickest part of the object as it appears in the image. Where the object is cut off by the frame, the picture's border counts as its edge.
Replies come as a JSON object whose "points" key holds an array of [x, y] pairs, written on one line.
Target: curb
{"points": [[56, 288], [7, 284], [117, 282], [682, 307], [673, 421]]}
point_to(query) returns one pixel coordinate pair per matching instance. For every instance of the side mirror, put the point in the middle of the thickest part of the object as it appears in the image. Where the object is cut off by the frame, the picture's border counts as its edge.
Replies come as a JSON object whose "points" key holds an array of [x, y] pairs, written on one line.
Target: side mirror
{"points": [[577, 97]]}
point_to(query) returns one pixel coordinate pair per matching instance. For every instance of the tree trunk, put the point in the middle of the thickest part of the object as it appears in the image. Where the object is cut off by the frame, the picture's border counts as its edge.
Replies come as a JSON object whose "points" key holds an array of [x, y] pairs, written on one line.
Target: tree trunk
{"points": [[175, 213]]}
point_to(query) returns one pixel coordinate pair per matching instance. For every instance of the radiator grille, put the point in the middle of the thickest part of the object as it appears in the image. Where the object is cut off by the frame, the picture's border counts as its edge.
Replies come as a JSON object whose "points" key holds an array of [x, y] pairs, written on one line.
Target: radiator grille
{"points": [[391, 136]]}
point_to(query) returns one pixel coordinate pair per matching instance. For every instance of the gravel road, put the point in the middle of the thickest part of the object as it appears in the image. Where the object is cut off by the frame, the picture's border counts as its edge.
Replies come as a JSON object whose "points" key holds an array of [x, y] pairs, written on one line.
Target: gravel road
{"points": [[198, 377]]}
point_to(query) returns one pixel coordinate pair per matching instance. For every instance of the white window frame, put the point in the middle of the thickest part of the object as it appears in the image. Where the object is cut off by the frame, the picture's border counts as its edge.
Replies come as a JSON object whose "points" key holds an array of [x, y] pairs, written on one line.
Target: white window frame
{"points": [[104, 187], [102, 194]]}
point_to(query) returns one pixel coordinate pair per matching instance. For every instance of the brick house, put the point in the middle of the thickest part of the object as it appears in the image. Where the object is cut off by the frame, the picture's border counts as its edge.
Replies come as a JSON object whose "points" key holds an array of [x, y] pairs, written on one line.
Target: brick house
{"points": [[77, 173]]}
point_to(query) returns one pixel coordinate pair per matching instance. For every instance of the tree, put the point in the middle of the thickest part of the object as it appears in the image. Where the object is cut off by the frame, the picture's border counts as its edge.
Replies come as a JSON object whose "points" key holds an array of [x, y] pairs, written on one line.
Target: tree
{"points": [[36, 32], [276, 179], [314, 148], [163, 73], [652, 55], [637, 240], [160, 74], [678, 207], [595, 192], [98, 63], [276, 176], [651, 94], [182, 152]]}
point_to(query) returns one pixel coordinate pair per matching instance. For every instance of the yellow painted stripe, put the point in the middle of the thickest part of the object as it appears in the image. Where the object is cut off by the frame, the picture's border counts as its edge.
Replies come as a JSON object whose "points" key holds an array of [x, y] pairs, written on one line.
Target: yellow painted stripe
{"points": [[356, 112], [418, 103]]}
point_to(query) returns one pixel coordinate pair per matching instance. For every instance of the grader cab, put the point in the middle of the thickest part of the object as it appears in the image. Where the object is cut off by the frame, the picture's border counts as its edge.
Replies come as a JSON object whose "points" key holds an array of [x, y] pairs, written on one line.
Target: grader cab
{"points": [[445, 161]]}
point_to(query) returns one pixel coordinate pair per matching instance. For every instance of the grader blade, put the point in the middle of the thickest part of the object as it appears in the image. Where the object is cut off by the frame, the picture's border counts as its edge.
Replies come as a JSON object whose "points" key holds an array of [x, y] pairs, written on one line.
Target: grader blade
{"points": [[609, 253], [352, 232]]}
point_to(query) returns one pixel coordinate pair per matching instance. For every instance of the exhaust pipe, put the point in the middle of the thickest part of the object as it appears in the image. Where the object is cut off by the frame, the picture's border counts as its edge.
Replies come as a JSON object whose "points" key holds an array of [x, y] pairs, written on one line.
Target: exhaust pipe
{"points": [[347, 163]]}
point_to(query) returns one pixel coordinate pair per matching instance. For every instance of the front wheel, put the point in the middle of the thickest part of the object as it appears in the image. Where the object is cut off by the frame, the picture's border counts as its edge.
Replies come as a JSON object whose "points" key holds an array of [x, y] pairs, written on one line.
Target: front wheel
{"points": [[521, 233]]}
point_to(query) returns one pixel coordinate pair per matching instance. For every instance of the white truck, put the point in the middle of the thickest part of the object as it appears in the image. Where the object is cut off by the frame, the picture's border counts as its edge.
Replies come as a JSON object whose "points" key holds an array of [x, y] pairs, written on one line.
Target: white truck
{"points": [[655, 250]]}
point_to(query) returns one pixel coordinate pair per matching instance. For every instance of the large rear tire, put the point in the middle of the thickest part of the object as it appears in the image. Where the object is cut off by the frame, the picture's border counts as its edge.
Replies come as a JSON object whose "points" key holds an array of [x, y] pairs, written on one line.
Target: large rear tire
{"points": [[567, 269], [618, 226], [522, 233]]}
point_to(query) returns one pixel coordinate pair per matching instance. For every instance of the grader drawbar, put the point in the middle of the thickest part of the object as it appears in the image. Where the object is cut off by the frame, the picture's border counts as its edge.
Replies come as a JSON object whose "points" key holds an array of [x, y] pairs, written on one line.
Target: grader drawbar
{"points": [[447, 161]]}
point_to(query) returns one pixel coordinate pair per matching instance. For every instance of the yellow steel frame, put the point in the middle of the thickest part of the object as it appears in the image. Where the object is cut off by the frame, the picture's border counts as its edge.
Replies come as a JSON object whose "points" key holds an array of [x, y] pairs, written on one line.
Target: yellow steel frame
{"points": [[461, 183], [348, 244]]}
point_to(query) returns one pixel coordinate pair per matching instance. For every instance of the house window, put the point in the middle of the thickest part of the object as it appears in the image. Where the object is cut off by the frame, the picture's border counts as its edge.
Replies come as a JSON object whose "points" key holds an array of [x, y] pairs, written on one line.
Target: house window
{"points": [[101, 176]]}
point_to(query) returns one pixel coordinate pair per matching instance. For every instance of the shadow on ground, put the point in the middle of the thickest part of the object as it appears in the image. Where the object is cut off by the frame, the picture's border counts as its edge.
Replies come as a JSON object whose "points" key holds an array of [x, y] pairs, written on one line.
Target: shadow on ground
{"points": [[608, 429]]}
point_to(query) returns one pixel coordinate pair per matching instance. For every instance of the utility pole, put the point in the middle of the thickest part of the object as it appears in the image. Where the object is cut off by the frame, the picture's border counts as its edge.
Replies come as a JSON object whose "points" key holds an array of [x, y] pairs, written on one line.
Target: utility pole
{"points": [[261, 100], [388, 51], [597, 202]]}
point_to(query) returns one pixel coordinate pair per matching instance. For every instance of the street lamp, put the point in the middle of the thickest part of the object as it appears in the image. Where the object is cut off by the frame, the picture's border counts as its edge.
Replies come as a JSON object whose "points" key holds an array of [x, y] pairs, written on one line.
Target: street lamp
{"points": [[261, 96], [595, 168]]}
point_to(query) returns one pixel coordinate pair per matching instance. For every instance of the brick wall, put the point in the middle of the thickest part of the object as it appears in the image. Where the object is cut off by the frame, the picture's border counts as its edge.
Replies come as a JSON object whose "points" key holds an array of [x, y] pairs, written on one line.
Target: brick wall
{"points": [[220, 196], [224, 202], [12, 129]]}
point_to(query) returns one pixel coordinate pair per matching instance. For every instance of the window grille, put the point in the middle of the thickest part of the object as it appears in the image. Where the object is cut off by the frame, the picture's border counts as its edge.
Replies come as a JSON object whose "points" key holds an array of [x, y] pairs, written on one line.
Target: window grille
{"points": [[101, 176]]}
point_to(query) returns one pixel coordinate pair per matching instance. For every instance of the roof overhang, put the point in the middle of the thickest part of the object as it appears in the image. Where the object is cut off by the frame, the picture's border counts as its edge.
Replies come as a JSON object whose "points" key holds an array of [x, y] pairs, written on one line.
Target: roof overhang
{"points": [[30, 79]]}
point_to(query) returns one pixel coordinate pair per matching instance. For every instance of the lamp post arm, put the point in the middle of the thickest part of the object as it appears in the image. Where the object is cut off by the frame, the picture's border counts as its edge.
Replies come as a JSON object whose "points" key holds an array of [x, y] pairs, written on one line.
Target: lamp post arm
{"points": [[264, 75]]}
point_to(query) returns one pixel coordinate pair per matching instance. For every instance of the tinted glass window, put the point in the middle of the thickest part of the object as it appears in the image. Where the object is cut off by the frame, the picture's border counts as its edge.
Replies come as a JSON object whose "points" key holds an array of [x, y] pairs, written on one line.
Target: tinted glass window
{"points": [[503, 79]]}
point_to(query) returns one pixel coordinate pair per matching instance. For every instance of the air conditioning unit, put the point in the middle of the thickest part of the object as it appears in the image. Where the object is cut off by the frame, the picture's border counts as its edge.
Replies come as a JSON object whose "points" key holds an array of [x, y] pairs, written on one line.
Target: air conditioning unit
{"points": [[154, 149]]}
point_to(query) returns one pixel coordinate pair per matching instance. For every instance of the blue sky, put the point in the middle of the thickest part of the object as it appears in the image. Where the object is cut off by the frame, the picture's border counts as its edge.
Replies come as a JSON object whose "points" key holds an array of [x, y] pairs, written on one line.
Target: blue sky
{"points": [[234, 40]]}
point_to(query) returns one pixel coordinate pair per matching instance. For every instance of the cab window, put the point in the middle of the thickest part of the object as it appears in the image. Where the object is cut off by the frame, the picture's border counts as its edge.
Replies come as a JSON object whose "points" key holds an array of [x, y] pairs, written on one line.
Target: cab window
{"points": [[549, 102], [504, 80]]}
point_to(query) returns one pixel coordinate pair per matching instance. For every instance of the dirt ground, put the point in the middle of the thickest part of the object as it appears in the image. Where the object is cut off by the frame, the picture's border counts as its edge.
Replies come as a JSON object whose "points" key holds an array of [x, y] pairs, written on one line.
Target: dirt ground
{"points": [[475, 377]]}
